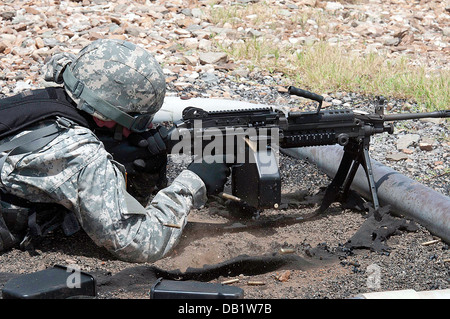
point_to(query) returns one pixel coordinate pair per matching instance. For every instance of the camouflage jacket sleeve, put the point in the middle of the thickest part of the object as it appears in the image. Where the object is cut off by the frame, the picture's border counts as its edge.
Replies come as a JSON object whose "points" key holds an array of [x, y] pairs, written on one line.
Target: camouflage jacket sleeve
{"points": [[75, 170]]}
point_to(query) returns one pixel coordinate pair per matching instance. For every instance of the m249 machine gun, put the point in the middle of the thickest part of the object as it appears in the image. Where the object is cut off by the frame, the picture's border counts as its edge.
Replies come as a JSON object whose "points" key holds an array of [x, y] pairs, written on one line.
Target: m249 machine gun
{"points": [[249, 138]]}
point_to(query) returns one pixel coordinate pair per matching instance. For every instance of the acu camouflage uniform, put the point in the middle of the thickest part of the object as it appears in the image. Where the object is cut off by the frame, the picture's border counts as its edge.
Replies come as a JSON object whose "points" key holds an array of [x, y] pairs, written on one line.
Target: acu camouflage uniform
{"points": [[75, 171]]}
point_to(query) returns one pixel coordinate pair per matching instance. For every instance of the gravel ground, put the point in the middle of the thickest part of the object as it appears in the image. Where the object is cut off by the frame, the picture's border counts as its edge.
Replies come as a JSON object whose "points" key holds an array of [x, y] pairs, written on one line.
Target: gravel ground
{"points": [[323, 267]]}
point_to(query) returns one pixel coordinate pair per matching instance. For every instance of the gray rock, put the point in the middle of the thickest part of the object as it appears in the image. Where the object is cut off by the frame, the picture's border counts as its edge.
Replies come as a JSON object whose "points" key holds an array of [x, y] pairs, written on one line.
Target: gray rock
{"points": [[209, 78], [398, 156], [197, 13], [213, 57], [446, 32], [392, 41], [407, 140], [8, 15], [243, 72], [332, 6], [254, 33], [187, 12], [336, 102]]}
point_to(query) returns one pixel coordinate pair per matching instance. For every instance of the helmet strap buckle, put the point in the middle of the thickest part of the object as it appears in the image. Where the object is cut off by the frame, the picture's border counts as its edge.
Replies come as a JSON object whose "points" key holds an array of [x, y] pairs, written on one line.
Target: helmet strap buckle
{"points": [[118, 130], [77, 89]]}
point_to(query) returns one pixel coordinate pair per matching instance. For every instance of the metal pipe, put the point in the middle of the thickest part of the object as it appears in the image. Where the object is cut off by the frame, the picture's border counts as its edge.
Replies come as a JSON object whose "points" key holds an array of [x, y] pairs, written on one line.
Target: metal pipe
{"points": [[404, 195]]}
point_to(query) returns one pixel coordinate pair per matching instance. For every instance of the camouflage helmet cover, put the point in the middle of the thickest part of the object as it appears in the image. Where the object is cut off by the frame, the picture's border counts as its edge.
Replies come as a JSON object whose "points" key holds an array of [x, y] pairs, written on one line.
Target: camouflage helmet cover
{"points": [[123, 75]]}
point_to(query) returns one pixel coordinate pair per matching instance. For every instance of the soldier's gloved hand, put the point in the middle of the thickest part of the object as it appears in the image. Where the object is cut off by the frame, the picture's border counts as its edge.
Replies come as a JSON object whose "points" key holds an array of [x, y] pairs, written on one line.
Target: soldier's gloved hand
{"points": [[214, 171], [134, 158], [146, 173], [154, 140], [55, 67]]}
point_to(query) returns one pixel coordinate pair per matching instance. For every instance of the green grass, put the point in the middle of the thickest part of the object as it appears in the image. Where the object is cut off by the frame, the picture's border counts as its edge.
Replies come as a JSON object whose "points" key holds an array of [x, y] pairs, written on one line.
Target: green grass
{"points": [[329, 68], [324, 68]]}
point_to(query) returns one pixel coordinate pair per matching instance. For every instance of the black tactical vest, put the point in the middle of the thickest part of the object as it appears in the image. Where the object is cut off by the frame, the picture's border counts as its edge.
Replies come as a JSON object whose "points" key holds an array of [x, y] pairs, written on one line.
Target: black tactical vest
{"points": [[16, 113], [29, 107]]}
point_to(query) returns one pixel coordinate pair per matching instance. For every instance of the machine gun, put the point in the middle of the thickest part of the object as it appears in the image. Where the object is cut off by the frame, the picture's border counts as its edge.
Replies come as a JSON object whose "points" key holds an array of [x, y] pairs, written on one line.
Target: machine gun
{"points": [[255, 178]]}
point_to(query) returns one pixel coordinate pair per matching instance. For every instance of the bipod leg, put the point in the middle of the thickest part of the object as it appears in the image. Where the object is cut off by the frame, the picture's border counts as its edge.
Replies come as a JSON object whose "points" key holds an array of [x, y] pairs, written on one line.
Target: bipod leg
{"points": [[363, 159], [333, 191], [348, 181], [369, 173]]}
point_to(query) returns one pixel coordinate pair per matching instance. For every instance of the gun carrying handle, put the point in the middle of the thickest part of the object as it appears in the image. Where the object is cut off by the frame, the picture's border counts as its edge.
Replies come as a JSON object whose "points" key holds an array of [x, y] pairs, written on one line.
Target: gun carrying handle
{"points": [[292, 90]]}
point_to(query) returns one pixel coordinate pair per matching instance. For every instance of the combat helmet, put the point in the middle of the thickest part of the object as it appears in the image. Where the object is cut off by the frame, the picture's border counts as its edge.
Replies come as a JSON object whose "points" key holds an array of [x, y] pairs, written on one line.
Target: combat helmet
{"points": [[116, 80]]}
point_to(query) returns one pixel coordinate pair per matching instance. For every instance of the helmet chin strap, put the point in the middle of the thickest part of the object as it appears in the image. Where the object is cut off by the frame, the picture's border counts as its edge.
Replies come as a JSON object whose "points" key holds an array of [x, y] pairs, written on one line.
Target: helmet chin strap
{"points": [[118, 132]]}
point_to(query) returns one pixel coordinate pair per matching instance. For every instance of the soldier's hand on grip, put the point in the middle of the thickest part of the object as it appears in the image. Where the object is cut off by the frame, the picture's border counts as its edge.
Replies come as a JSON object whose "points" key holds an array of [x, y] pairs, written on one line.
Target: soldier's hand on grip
{"points": [[154, 140], [214, 171]]}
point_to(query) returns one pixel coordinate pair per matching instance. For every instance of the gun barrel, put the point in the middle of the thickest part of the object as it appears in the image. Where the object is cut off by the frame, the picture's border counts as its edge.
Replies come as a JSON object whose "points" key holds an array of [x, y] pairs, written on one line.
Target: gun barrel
{"points": [[411, 116]]}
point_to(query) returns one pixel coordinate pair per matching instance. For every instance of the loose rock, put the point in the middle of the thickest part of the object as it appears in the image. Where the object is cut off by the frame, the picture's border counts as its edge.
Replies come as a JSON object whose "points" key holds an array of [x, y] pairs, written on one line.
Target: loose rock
{"points": [[212, 57]]}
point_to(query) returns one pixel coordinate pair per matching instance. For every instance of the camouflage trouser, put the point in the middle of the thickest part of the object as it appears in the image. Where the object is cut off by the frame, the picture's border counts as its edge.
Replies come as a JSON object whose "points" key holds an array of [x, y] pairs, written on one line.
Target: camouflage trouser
{"points": [[75, 171]]}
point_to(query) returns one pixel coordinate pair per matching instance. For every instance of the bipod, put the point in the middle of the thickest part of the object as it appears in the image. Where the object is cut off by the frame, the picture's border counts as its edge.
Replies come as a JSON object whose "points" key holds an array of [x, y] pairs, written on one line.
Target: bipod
{"points": [[355, 154]]}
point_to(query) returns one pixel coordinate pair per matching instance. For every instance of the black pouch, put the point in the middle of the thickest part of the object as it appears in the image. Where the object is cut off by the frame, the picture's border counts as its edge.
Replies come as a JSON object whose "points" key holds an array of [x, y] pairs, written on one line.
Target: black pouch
{"points": [[174, 289], [58, 282]]}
